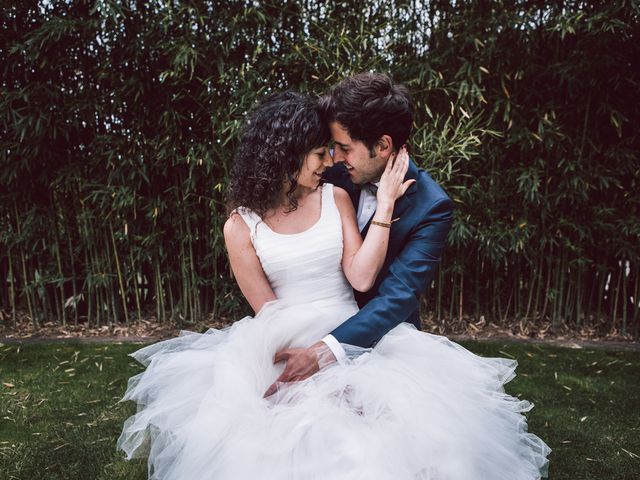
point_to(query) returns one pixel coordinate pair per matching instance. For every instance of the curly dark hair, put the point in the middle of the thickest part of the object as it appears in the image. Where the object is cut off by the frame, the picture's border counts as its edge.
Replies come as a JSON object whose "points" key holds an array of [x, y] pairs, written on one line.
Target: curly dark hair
{"points": [[276, 136], [370, 105]]}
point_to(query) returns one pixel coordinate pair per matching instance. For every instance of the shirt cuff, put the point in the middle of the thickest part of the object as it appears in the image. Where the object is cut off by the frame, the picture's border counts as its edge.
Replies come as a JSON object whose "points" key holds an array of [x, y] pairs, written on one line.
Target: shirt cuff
{"points": [[336, 348]]}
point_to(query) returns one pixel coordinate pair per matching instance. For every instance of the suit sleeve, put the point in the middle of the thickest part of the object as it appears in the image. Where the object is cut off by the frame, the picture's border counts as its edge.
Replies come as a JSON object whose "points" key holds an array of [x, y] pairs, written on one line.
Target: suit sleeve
{"points": [[407, 278]]}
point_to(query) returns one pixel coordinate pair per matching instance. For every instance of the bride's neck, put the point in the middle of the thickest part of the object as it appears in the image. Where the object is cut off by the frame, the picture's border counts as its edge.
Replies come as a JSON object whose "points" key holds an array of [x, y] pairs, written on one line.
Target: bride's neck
{"points": [[299, 193]]}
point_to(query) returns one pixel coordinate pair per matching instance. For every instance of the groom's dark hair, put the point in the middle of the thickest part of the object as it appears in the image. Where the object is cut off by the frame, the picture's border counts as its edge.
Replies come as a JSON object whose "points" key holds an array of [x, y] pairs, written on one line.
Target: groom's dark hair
{"points": [[370, 105]]}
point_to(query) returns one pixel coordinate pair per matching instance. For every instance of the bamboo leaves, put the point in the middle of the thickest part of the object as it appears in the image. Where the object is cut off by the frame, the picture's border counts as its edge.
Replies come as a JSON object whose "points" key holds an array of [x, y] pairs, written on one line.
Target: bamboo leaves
{"points": [[118, 124]]}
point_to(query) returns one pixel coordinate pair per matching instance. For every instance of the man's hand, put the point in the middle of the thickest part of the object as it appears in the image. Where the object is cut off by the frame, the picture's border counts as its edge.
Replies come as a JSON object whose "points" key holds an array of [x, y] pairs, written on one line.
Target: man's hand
{"points": [[301, 363]]}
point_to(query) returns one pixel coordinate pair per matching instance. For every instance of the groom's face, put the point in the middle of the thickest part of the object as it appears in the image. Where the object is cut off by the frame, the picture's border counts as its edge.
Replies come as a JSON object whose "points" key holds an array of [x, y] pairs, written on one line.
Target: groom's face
{"points": [[363, 165]]}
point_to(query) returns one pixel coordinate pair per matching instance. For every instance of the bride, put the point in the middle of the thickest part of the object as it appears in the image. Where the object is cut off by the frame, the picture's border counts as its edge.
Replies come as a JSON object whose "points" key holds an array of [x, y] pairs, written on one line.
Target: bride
{"points": [[415, 406]]}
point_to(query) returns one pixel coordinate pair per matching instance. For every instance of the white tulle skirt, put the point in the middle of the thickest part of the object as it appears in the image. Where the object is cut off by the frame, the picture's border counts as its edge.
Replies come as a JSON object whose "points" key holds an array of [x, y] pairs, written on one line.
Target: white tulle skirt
{"points": [[417, 406]]}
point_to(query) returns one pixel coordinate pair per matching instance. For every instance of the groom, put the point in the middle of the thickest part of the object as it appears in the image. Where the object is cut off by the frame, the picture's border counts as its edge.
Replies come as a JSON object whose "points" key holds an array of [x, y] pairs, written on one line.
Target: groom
{"points": [[370, 119]]}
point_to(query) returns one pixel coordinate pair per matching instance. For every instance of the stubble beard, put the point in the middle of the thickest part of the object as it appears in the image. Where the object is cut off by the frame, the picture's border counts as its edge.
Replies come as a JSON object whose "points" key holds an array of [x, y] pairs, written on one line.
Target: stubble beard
{"points": [[374, 175]]}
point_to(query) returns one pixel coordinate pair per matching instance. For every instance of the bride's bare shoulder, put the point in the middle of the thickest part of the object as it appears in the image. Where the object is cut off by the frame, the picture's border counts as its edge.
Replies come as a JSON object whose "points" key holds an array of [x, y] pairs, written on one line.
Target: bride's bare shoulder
{"points": [[343, 201], [235, 229]]}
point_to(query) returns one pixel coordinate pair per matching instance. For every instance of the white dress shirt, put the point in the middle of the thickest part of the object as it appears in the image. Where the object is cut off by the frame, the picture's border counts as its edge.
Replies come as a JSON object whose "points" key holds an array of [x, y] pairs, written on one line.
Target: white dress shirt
{"points": [[366, 208]]}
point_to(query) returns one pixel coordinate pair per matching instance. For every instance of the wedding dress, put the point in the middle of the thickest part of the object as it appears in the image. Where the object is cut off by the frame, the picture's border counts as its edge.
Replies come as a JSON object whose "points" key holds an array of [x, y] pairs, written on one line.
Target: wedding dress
{"points": [[417, 406]]}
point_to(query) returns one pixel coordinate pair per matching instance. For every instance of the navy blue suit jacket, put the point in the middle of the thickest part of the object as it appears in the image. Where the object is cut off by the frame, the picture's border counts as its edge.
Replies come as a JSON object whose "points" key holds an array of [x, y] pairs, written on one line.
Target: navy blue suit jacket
{"points": [[416, 242]]}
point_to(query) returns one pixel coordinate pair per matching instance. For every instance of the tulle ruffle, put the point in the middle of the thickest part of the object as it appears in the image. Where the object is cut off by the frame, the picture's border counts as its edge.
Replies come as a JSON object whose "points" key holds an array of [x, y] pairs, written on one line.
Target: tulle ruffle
{"points": [[417, 406]]}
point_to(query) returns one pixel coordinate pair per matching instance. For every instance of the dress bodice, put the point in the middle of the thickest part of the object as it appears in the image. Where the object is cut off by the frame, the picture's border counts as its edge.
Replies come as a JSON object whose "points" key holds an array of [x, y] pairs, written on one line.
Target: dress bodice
{"points": [[306, 266]]}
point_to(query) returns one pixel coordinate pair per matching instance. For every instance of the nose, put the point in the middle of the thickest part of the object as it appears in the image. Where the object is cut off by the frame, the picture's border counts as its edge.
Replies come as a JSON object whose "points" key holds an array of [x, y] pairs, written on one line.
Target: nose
{"points": [[327, 160], [336, 156]]}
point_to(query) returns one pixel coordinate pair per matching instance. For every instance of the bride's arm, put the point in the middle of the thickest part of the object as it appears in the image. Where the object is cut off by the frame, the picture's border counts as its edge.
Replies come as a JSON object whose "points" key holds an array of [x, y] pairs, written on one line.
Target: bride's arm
{"points": [[362, 260], [245, 264]]}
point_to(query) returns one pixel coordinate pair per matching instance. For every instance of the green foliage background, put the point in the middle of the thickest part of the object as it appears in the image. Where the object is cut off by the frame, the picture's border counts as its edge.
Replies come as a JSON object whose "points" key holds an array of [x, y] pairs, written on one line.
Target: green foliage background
{"points": [[118, 121]]}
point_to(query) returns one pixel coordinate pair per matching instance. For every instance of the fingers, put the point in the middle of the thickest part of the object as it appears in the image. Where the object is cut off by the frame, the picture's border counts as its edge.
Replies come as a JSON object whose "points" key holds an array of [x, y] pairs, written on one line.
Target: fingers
{"points": [[392, 184], [401, 164], [271, 390], [390, 163], [300, 364], [406, 185], [403, 156], [283, 378], [400, 168], [282, 356]]}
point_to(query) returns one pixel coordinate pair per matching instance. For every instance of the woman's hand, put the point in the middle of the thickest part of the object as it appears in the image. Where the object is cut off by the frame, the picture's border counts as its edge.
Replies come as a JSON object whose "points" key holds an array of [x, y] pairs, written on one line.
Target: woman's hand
{"points": [[392, 185]]}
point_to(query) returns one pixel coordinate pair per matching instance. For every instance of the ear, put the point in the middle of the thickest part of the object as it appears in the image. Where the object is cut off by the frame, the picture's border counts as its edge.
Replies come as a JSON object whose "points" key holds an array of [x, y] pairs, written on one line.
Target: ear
{"points": [[384, 146]]}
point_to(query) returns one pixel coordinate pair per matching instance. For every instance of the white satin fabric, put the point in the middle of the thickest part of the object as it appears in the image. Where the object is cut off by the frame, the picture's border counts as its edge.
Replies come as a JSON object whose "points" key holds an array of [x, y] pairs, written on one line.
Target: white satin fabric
{"points": [[417, 406]]}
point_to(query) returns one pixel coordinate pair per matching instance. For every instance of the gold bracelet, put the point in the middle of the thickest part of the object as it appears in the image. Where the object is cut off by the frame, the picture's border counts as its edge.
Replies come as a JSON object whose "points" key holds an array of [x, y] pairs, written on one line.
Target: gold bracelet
{"points": [[381, 224]]}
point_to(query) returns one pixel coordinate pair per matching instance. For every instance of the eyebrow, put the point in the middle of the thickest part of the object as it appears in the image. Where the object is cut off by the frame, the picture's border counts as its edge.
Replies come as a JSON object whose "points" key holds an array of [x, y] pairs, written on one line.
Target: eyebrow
{"points": [[343, 145]]}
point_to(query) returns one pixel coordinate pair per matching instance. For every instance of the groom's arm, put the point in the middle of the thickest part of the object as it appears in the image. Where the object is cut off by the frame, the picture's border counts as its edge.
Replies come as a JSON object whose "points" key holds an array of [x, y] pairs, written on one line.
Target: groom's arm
{"points": [[399, 292], [398, 297]]}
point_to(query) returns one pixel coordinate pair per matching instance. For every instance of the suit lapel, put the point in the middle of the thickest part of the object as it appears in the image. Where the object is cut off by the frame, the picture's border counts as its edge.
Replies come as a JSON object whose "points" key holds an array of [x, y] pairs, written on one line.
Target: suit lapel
{"points": [[354, 194]]}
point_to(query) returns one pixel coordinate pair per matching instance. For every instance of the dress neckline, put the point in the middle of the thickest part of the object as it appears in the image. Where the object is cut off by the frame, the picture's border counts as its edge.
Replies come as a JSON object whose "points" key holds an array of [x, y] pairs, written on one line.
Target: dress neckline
{"points": [[315, 224]]}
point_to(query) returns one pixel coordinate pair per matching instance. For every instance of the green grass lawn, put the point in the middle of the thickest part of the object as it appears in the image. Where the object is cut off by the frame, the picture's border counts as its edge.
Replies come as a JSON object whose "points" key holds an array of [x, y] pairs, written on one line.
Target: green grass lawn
{"points": [[59, 417]]}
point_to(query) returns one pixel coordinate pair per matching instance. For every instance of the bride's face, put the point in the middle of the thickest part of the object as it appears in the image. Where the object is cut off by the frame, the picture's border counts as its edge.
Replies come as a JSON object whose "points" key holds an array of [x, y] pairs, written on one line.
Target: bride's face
{"points": [[313, 165]]}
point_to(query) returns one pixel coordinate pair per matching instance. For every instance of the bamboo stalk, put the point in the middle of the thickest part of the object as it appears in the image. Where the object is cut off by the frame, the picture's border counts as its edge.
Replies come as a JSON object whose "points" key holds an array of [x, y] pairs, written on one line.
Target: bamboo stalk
{"points": [[636, 303], [136, 287], [194, 291], [517, 290], [159, 291], [439, 296], [532, 284], [89, 303], [498, 295], [98, 277], [172, 303], [460, 311], [569, 299], [110, 294], [548, 284], [25, 279], [556, 292], [625, 297], [614, 313], [452, 300], [560, 304], [594, 276], [12, 288], [4, 281], [601, 293], [184, 280], [113, 315], [540, 276], [506, 312], [504, 317], [156, 282], [46, 311], [101, 299], [73, 279], [119, 271], [578, 304], [89, 273], [56, 240], [477, 285], [31, 298]]}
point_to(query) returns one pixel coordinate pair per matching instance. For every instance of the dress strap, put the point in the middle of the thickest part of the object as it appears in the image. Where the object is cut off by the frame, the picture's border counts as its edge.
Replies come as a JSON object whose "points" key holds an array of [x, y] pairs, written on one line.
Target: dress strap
{"points": [[252, 220], [329, 199], [327, 195]]}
